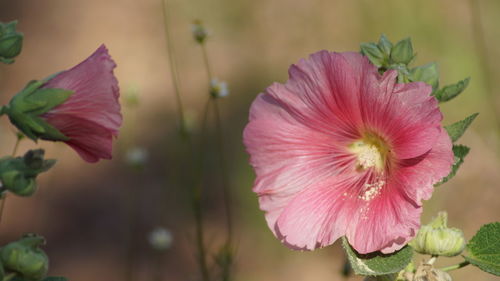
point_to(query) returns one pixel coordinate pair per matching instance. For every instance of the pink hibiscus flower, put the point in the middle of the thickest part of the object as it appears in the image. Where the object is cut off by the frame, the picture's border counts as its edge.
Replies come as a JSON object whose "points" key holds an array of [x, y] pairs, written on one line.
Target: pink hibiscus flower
{"points": [[90, 118], [341, 150]]}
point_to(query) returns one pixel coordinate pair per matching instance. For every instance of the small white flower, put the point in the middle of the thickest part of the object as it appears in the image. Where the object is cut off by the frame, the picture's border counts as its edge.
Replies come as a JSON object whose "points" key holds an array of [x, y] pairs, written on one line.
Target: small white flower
{"points": [[200, 34], [218, 89], [137, 156], [160, 238]]}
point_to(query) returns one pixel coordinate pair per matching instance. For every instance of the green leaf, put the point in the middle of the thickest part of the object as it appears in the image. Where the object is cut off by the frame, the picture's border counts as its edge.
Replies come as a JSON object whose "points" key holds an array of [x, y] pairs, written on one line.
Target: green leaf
{"points": [[484, 248], [375, 264], [456, 130], [449, 92], [460, 151], [374, 54], [426, 73]]}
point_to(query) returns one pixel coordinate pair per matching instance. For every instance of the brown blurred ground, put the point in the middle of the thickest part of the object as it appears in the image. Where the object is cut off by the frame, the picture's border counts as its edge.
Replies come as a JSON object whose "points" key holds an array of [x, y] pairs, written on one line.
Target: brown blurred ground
{"points": [[83, 210]]}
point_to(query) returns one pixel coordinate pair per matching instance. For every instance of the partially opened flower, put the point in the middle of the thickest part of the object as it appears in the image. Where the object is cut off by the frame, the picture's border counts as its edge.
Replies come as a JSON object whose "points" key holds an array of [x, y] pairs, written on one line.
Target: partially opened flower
{"points": [[341, 150], [78, 106]]}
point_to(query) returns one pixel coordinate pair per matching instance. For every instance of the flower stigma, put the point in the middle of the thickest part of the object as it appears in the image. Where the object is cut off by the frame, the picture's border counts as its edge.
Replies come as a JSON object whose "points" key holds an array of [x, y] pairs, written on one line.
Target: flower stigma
{"points": [[371, 152]]}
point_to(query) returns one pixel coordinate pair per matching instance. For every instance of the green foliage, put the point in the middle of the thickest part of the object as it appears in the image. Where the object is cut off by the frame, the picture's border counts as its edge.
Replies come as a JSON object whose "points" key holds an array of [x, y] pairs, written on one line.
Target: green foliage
{"points": [[484, 248], [456, 130], [374, 54], [376, 264], [449, 92], [459, 151]]}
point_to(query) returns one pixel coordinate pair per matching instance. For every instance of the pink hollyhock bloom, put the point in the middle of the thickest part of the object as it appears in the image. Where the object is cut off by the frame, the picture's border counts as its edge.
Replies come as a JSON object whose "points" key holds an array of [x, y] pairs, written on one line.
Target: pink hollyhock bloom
{"points": [[90, 118], [341, 150]]}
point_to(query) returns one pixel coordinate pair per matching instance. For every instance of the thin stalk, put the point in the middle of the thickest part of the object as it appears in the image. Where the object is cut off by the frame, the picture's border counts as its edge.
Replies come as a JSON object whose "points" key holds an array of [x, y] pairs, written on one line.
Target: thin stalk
{"points": [[196, 189], [16, 145], [455, 266], [485, 61], [223, 167]]}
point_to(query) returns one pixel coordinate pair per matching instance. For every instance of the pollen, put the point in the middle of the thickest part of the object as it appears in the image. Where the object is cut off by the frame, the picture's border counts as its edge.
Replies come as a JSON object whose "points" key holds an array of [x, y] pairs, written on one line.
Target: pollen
{"points": [[370, 151]]}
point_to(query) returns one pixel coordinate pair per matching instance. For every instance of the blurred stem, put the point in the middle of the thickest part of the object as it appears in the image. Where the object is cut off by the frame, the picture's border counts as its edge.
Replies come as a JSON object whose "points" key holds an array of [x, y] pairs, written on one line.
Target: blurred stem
{"points": [[19, 137], [482, 50], [196, 189], [222, 159], [455, 266]]}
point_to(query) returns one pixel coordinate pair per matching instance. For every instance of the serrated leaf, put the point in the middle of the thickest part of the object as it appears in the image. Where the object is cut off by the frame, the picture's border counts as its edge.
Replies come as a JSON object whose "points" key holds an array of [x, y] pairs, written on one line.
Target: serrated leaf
{"points": [[376, 264], [449, 92], [460, 151], [484, 248], [456, 130]]}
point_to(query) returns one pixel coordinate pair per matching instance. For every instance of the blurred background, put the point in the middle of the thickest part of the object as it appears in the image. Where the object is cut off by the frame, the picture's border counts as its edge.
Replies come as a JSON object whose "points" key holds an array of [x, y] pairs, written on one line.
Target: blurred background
{"points": [[97, 218]]}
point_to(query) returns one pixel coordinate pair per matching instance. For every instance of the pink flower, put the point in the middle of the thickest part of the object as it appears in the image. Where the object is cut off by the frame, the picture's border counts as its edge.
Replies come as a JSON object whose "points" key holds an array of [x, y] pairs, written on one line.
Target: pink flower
{"points": [[90, 118], [341, 150]]}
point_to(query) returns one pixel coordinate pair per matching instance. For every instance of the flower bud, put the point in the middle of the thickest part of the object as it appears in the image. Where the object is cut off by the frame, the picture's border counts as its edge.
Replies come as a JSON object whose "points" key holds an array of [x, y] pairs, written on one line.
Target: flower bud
{"points": [[137, 157], [200, 34], [218, 89], [24, 257], [437, 239], [18, 174], [160, 239], [11, 42], [402, 52]]}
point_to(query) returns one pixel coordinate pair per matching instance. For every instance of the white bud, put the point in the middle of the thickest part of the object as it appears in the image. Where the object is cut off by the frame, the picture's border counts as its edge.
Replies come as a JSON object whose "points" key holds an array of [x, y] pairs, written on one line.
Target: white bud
{"points": [[218, 89], [160, 239], [137, 156]]}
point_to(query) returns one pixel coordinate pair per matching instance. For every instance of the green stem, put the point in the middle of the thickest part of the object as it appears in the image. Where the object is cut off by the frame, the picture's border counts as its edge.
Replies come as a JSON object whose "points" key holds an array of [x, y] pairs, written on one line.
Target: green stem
{"points": [[196, 189], [16, 145], [455, 266]]}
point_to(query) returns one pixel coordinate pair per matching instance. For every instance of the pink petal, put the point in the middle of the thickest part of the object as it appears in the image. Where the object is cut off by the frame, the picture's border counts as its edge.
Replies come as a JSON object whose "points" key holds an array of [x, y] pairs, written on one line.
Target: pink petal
{"points": [[89, 139], [315, 218], [95, 89]]}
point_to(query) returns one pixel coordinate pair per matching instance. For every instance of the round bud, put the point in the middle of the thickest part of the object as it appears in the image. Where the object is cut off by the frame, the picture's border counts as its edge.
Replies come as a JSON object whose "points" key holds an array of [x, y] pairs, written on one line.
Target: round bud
{"points": [[24, 257]]}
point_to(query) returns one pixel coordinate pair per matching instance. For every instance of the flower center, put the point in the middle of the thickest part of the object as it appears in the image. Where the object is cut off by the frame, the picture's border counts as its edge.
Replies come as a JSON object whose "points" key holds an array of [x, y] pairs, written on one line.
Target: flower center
{"points": [[371, 152]]}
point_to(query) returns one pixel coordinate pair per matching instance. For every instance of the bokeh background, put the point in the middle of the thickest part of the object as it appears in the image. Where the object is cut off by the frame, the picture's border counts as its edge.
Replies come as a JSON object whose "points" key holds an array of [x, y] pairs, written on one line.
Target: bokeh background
{"points": [[97, 218]]}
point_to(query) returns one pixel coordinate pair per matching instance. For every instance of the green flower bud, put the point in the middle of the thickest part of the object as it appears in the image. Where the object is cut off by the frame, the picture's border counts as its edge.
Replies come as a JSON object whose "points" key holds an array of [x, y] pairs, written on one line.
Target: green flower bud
{"points": [[402, 52], [437, 239], [25, 258], [11, 42], [18, 175]]}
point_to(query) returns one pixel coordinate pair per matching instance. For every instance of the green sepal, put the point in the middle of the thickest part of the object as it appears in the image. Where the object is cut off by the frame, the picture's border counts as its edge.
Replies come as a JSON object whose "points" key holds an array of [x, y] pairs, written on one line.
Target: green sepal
{"points": [[373, 53], [376, 264], [456, 130], [25, 108], [426, 73], [18, 175], [484, 249], [449, 92], [459, 152], [385, 45], [402, 52]]}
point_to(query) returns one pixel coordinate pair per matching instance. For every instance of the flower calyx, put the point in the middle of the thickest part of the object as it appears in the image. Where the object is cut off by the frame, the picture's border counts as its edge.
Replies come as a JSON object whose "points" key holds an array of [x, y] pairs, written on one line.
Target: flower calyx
{"points": [[11, 42], [26, 258]]}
